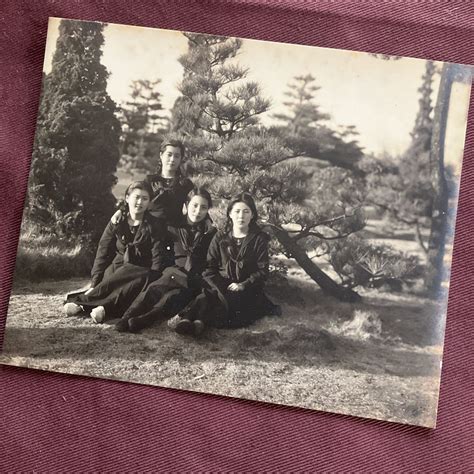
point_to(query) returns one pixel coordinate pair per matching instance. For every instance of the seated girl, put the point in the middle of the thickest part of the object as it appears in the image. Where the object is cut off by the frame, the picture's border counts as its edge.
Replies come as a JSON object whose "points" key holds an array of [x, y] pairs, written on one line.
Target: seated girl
{"points": [[181, 283], [170, 186], [237, 267], [129, 252]]}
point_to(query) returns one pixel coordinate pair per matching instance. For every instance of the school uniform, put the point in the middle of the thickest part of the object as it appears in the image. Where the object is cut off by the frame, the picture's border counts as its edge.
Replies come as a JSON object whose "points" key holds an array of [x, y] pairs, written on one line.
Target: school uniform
{"points": [[230, 260], [180, 283], [169, 196], [126, 257]]}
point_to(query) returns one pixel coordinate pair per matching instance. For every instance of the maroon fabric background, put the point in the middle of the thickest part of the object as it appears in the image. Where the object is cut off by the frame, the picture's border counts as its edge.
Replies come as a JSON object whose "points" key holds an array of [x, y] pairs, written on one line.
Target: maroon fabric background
{"points": [[59, 422]]}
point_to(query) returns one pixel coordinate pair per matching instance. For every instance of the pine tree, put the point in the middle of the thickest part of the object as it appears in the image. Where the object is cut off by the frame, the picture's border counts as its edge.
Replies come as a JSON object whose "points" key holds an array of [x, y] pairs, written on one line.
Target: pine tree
{"points": [[304, 129], [143, 126], [304, 113], [219, 114], [76, 146]]}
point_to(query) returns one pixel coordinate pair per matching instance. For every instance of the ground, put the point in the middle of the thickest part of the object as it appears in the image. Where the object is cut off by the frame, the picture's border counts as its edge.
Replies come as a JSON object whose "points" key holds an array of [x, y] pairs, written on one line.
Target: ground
{"points": [[379, 358]]}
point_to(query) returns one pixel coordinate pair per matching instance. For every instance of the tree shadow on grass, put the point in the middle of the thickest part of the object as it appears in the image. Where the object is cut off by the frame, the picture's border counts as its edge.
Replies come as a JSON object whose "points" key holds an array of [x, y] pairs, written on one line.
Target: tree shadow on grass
{"points": [[382, 335], [297, 346], [23, 287], [418, 324]]}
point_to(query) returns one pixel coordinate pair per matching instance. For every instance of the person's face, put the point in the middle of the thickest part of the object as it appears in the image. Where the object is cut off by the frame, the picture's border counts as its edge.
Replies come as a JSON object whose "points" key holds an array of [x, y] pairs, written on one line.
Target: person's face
{"points": [[171, 159], [241, 215], [197, 209], [138, 201]]}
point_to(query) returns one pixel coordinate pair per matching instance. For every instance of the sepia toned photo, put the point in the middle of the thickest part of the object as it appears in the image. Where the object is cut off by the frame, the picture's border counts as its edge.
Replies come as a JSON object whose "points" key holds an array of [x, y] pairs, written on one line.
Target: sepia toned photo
{"points": [[259, 220]]}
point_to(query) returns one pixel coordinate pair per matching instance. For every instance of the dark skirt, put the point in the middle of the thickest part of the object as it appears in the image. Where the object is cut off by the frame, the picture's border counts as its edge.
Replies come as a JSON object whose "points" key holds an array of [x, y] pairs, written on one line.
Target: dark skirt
{"points": [[242, 308], [169, 294], [218, 307], [116, 291]]}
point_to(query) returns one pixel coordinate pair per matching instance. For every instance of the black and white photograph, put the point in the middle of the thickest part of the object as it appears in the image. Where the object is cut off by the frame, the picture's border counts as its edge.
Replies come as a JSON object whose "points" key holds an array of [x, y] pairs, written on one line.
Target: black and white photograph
{"points": [[267, 221]]}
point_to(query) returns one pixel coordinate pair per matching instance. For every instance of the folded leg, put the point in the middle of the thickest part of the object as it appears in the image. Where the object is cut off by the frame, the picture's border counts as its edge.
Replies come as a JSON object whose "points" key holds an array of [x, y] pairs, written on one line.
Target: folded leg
{"points": [[170, 303]]}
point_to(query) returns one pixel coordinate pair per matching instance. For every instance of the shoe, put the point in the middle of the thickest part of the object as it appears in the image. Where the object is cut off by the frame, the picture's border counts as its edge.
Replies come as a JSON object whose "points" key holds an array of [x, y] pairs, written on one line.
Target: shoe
{"points": [[122, 325], [185, 327], [181, 325], [198, 327], [72, 309], [98, 315], [133, 325], [173, 322], [137, 323]]}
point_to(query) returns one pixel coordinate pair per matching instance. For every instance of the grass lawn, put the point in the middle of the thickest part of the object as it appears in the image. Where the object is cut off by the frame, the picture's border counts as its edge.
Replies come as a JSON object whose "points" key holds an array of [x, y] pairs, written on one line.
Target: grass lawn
{"points": [[379, 358]]}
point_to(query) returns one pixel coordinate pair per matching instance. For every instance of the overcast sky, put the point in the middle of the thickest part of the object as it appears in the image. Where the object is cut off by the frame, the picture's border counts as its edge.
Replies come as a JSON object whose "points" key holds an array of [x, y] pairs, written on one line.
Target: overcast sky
{"points": [[379, 97]]}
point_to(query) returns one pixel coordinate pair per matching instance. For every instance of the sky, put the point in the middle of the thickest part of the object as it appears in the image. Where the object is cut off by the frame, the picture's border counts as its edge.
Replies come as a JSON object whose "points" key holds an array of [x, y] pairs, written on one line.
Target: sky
{"points": [[378, 97]]}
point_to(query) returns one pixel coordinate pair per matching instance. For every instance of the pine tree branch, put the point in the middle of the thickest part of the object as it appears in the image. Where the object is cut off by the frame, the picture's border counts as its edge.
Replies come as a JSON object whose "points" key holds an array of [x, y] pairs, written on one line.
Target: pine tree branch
{"points": [[247, 116], [305, 234], [394, 212], [286, 158], [326, 222], [333, 220]]}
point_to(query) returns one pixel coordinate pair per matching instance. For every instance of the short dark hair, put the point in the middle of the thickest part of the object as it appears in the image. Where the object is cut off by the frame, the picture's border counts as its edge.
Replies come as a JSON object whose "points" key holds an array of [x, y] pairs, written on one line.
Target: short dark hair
{"points": [[200, 191], [143, 185], [175, 143], [247, 199]]}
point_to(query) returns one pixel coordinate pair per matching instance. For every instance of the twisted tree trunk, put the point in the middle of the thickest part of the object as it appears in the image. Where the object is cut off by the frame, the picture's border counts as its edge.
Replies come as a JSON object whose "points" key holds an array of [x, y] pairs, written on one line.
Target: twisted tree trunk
{"points": [[327, 284]]}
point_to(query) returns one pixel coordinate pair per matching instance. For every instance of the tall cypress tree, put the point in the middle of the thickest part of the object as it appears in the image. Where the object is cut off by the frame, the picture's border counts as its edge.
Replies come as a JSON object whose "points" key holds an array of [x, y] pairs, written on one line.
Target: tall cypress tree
{"points": [[403, 188], [423, 128], [442, 189], [76, 147]]}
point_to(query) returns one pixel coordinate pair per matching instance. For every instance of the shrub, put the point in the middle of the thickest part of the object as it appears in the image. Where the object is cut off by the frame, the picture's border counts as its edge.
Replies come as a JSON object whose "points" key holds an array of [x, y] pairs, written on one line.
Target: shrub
{"points": [[359, 263], [45, 255]]}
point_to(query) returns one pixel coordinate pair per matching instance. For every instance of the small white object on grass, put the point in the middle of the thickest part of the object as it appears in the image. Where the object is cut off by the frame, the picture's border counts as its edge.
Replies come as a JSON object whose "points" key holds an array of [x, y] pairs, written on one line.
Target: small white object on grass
{"points": [[98, 314], [72, 309]]}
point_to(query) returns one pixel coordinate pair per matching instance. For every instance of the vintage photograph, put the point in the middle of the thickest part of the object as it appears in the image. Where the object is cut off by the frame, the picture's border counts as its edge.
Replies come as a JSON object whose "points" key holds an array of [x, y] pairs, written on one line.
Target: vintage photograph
{"points": [[259, 220]]}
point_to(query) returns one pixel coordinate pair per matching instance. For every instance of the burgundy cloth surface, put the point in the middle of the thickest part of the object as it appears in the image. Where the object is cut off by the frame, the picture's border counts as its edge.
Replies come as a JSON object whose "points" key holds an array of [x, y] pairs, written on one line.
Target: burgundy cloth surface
{"points": [[58, 422]]}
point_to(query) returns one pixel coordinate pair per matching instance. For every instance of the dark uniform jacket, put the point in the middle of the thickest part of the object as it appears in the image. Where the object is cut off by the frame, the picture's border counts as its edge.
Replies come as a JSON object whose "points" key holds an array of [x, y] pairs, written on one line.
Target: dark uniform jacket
{"points": [[181, 282], [150, 247], [228, 262], [169, 195], [191, 244], [248, 265]]}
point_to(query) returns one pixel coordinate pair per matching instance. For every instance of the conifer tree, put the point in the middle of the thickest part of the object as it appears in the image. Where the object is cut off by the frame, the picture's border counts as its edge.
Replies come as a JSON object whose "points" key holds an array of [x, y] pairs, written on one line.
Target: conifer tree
{"points": [[403, 188], [218, 113], [303, 112], [76, 146], [305, 128], [142, 126]]}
